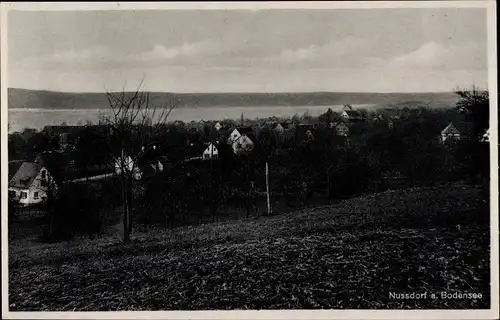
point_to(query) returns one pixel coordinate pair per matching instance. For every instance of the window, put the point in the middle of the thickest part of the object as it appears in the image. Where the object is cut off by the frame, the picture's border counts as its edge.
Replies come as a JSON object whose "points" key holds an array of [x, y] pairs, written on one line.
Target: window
{"points": [[206, 156], [12, 194], [44, 174], [215, 156], [24, 195], [35, 195]]}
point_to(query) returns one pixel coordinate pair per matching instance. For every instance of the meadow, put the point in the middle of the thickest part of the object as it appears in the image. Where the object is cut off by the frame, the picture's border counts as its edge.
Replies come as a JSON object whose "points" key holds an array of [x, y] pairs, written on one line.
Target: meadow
{"points": [[348, 255]]}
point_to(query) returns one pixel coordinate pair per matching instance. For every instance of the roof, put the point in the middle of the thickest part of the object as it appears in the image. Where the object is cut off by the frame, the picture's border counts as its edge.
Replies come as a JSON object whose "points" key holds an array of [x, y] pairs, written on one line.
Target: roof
{"points": [[353, 113], [13, 167], [24, 176], [247, 131], [195, 151], [450, 129]]}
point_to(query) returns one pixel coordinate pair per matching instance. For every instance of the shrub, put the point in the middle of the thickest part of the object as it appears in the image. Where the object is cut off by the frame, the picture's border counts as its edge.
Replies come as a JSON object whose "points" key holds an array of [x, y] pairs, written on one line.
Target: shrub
{"points": [[77, 211]]}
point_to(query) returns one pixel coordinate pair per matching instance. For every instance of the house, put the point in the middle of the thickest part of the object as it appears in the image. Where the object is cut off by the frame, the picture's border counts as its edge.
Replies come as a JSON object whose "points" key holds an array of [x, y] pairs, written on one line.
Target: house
{"points": [[218, 126], [128, 165], [66, 141], [30, 183], [67, 135], [486, 136], [201, 152], [341, 129], [218, 151], [143, 169], [278, 128], [233, 136], [201, 124], [211, 152], [450, 133], [242, 140], [347, 107], [237, 133], [352, 115], [149, 169], [243, 145]]}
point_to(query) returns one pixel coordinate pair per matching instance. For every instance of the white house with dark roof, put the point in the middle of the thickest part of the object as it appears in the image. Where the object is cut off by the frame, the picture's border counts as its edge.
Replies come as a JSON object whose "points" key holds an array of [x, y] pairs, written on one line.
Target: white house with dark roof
{"points": [[29, 182], [211, 152], [450, 133]]}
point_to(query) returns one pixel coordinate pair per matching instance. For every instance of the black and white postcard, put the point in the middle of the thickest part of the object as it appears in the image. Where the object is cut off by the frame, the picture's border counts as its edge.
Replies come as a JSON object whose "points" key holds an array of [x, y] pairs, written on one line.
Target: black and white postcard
{"points": [[278, 160]]}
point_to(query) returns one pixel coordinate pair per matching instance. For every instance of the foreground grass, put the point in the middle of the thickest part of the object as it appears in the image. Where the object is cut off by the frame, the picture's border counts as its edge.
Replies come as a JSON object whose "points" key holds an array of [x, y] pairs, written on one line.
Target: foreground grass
{"points": [[350, 255]]}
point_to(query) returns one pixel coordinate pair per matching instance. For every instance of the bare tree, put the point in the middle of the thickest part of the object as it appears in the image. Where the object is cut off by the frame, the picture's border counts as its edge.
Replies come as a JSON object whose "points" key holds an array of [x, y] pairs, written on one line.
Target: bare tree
{"points": [[134, 122]]}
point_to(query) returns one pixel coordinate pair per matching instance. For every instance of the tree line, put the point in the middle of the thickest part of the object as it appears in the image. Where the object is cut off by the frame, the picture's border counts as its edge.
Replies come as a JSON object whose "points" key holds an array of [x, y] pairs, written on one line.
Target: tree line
{"points": [[373, 157]]}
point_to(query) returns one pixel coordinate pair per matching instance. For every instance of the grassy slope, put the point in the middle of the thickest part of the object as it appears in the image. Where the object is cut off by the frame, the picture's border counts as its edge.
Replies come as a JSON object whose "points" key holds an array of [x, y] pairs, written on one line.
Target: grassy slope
{"points": [[21, 98], [350, 255]]}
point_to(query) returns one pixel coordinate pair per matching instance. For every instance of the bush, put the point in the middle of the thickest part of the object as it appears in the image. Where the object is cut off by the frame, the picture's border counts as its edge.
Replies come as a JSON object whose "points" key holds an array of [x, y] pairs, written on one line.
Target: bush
{"points": [[77, 211]]}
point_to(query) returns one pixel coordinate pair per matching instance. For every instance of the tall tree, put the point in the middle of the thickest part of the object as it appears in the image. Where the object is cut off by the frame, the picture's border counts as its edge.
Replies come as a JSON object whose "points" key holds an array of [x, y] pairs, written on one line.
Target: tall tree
{"points": [[475, 103], [134, 122]]}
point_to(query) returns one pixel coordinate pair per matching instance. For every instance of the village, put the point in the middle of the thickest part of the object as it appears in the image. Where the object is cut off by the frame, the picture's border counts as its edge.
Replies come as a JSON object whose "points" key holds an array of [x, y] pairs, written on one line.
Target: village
{"points": [[73, 155]]}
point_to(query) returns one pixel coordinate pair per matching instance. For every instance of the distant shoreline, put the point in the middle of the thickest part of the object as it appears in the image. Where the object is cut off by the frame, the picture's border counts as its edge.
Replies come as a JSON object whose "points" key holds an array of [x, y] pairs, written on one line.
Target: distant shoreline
{"points": [[32, 99], [27, 109]]}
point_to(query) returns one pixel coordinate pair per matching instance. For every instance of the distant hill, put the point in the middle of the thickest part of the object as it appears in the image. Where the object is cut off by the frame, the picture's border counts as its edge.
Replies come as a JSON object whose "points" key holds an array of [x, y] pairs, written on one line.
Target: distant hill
{"points": [[37, 99]]}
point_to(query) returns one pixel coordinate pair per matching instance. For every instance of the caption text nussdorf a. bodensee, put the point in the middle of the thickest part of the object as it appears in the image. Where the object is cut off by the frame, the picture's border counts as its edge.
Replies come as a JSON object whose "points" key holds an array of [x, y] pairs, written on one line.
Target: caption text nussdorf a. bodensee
{"points": [[436, 295]]}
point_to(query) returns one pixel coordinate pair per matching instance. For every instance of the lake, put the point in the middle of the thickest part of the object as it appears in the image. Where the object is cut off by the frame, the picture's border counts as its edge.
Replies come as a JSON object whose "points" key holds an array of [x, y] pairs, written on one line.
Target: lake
{"points": [[38, 118]]}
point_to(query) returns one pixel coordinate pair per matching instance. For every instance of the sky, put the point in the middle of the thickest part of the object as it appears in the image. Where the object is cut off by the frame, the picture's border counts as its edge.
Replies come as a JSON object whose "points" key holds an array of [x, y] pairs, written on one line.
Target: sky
{"points": [[352, 50]]}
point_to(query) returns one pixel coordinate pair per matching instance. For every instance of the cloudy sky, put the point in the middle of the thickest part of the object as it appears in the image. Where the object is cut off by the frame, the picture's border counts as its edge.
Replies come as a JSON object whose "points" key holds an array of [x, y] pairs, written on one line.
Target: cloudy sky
{"points": [[378, 50]]}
